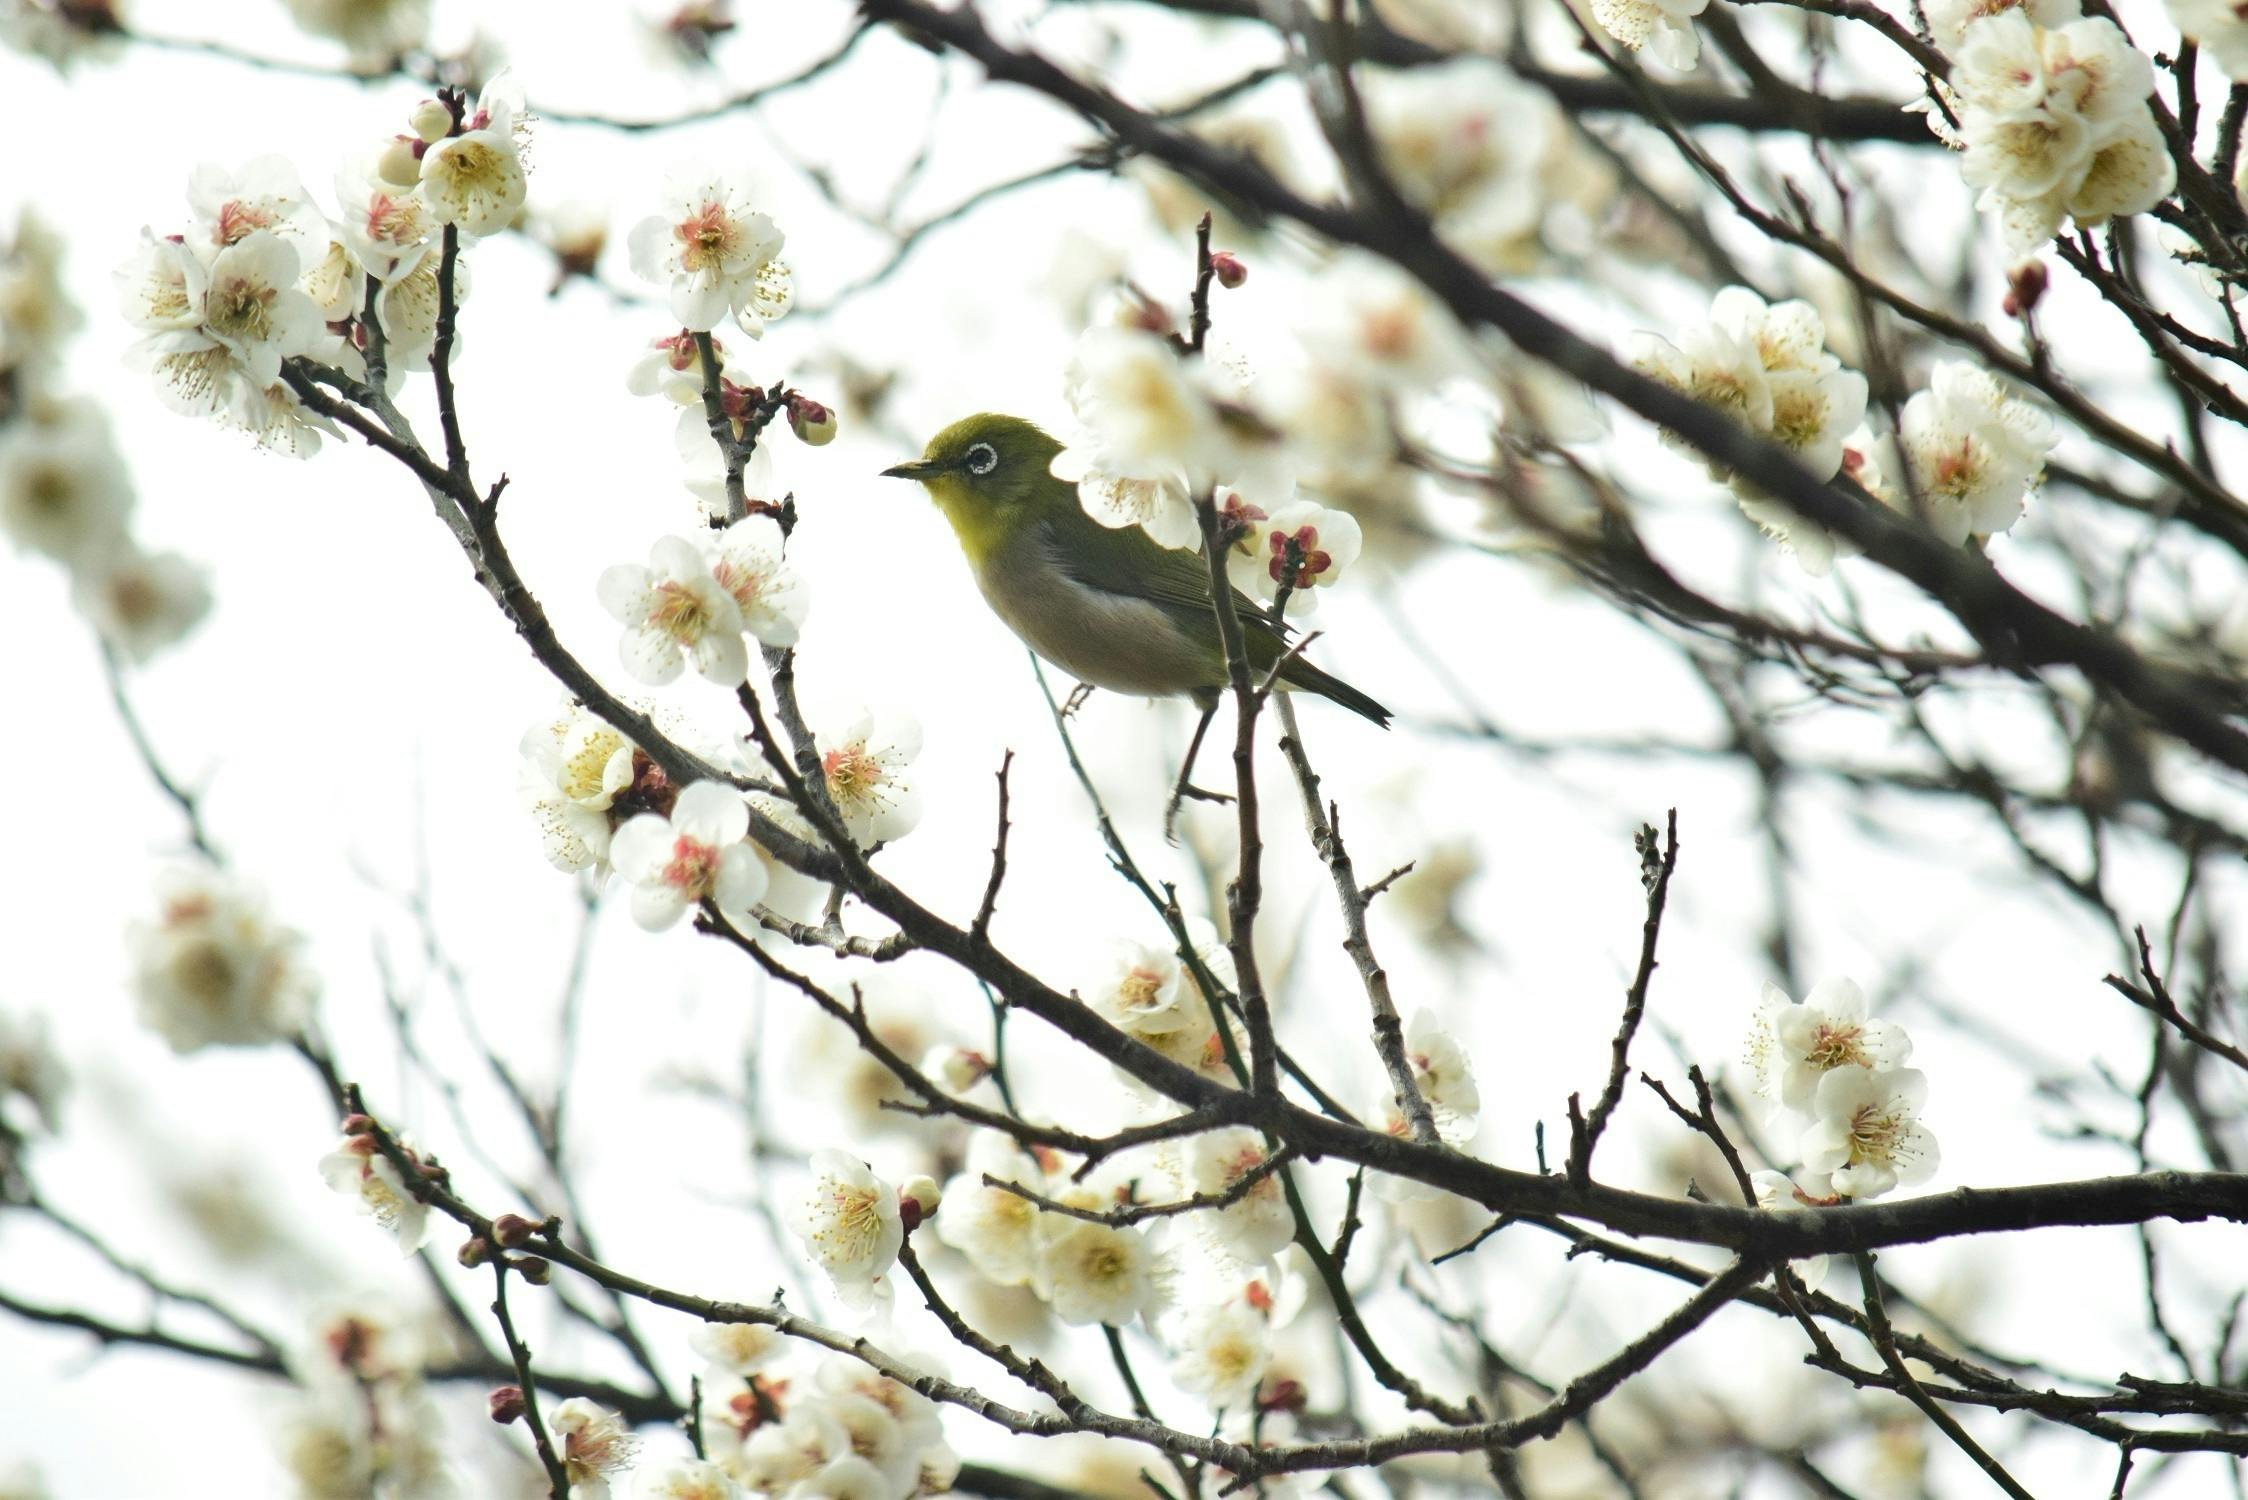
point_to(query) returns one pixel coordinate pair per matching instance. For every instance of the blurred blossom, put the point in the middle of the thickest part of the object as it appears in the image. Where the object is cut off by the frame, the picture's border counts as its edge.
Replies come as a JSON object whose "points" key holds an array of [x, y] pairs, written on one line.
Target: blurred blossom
{"points": [[1220, 1351], [573, 770], [1258, 1224], [36, 315], [64, 490], [30, 1072], [1948, 19], [140, 603], [375, 32], [997, 1230], [214, 970], [1664, 27], [360, 1171]]}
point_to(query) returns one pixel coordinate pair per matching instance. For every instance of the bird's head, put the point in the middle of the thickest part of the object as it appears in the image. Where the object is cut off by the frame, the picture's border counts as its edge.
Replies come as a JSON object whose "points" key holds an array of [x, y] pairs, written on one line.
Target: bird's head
{"points": [[989, 474]]}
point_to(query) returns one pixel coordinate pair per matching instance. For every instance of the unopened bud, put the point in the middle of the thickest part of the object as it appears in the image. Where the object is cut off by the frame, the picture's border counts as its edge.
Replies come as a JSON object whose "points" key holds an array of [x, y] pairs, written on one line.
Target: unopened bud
{"points": [[2025, 284], [357, 1124], [957, 1068], [400, 162], [513, 1231], [431, 120], [812, 423], [475, 1251], [917, 1200], [532, 1269], [507, 1404], [1282, 1395], [1229, 270]]}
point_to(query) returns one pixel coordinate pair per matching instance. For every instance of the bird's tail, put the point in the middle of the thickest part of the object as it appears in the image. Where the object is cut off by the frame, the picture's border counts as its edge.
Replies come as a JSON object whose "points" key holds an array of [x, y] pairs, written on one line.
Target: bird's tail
{"points": [[1303, 674]]}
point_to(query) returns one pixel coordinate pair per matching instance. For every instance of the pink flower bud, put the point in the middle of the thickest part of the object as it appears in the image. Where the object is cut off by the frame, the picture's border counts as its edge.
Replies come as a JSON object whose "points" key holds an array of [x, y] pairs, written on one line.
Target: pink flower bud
{"points": [[532, 1269], [1229, 270], [357, 1124], [917, 1200], [507, 1404], [475, 1251], [812, 423], [513, 1231]]}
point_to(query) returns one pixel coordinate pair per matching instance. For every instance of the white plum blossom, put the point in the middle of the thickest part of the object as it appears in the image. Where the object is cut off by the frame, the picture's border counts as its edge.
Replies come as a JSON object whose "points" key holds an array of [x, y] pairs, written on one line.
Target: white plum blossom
{"points": [[1485, 155], [333, 278], [572, 771], [1258, 1224], [1441, 1069], [1150, 433], [1326, 542], [213, 970], [2055, 124], [688, 1479], [1792, 1046], [997, 1230], [360, 1171], [849, 1222], [750, 563], [1663, 27], [160, 288], [141, 602], [593, 1443], [672, 366], [407, 308], [253, 317], [1371, 321], [1974, 451], [672, 607], [1092, 1273], [1776, 1192], [388, 228], [1767, 366], [1865, 1131], [475, 180], [740, 1348], [64, 488], [865, 765], [375, 31], [1948, 20], [714, 251], [264, 195], [2220, 30], [1146, 990], [699, 853], [31, 1071], [1220, 1352]]}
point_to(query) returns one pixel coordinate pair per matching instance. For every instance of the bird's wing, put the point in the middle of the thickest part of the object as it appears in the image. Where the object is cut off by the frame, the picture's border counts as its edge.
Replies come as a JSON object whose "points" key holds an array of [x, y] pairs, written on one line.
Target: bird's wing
{"points": [[1131, 565]]}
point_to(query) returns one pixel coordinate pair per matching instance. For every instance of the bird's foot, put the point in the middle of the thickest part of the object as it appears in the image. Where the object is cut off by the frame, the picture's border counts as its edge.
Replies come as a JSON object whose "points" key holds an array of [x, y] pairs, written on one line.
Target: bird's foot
{"points": [[1180, 795], [1076, 699]]}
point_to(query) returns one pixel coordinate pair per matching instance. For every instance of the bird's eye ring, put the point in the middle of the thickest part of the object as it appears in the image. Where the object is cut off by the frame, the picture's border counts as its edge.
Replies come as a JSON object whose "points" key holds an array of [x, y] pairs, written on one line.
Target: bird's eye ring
{"points": [[982, 459]]}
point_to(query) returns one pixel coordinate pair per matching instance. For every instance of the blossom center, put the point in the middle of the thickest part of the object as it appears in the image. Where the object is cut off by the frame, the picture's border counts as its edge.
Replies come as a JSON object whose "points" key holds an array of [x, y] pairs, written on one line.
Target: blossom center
{"points": [[1875, 1131], [1837, 1047], [242, 309], [707, 238], [680, 613], [693, 868], [238, 219], [853, 776]]}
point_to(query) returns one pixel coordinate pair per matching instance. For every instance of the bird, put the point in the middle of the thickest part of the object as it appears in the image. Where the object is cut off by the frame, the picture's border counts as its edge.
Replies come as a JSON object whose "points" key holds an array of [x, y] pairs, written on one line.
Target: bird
{"points": [[1107, 605]]}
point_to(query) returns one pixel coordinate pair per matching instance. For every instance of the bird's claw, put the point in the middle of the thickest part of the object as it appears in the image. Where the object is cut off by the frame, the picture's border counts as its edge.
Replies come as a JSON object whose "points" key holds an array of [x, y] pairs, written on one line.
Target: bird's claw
{"points": [[1076, 699], [1179, 797]]}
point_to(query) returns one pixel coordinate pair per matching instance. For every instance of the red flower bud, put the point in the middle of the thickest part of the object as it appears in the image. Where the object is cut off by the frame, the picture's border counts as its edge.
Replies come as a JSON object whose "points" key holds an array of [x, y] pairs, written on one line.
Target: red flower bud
{"points": [[2025, 284], [1229, 270], [507, 1404], [513, 1231], [532, 1269]]}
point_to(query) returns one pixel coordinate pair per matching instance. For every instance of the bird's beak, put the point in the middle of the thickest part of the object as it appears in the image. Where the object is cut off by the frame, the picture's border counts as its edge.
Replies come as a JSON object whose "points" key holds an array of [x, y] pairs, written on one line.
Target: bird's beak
{"points": [[919, 468]]}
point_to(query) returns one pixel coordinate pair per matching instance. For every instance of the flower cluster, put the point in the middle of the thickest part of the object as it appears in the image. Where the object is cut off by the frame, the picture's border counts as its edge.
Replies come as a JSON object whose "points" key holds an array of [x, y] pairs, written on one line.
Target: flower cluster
{"points": [[213, 970], [64, 489], [1151, 994], [1085, 1271], [774, 1423], [1489, 158], [1767, 367], [2054, 124], [1829, 1063]]}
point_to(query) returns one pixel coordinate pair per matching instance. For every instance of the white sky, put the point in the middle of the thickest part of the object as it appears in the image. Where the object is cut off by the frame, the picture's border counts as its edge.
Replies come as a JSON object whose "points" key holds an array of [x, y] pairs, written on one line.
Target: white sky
{"points": [[355, 699]]}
